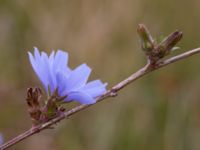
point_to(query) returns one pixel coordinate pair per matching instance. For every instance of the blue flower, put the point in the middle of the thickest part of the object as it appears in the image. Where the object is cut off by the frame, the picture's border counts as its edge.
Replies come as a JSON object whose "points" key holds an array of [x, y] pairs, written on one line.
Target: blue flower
{"points": [[54, 74], [1, 139]]}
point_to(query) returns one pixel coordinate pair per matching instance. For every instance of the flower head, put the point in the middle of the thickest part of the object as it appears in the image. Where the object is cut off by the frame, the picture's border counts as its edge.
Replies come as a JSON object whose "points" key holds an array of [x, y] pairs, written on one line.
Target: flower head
{"points": [[54, 74]]}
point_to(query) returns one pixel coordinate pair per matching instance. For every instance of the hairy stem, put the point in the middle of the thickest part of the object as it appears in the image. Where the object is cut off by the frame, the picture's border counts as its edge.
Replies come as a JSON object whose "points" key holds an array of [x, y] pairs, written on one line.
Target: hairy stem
{"points": [[110, 93]]}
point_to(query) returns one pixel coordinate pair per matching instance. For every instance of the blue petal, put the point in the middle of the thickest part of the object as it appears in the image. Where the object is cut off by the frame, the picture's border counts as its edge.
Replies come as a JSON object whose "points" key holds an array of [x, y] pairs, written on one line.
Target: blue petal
{"points": [[61, 81], [1, 139], [95, 83], [61, 61], [36, 53], [81, 97], [95, 88], [38, 70], [48, 72], [51, 58], [78, 78]]}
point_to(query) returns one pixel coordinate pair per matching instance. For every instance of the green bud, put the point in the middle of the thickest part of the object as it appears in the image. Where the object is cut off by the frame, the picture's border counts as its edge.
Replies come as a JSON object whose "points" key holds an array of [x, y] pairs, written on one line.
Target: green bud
{"points": [[168, 44], [147, 42]]}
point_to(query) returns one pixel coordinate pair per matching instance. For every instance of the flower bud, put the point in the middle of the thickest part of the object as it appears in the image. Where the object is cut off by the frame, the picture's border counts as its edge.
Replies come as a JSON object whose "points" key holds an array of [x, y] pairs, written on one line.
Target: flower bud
{"points": [[147, 41], [167, 45]]}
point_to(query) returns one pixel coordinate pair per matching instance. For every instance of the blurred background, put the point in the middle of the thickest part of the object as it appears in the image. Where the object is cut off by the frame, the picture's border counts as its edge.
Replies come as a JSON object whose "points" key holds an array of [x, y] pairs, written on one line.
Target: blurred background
{"points": [[158, 112]]}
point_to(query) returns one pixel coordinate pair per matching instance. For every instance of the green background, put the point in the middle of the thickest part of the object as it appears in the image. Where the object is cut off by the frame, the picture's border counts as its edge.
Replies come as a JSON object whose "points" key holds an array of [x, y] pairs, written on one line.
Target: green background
{"points": [[158, 112]]}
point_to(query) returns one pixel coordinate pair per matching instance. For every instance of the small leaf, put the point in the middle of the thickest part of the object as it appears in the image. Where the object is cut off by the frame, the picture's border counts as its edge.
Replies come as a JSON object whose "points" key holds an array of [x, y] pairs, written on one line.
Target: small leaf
{"points": [[175, 48]]}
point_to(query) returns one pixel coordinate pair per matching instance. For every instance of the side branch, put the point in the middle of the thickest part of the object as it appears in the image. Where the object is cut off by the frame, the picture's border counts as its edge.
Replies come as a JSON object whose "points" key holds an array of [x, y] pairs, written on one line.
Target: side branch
{"points": [[110, 93], [180, 57]]}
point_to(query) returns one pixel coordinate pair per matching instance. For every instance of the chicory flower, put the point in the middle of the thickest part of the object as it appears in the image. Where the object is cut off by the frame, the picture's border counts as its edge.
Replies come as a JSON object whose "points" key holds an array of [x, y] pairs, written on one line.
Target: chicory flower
{"points": [[54, 73], [1, 139]]}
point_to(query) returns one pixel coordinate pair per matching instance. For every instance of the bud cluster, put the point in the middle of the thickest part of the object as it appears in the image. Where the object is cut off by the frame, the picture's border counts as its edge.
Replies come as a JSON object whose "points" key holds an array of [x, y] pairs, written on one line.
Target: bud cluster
{"points": [[156, 51]]}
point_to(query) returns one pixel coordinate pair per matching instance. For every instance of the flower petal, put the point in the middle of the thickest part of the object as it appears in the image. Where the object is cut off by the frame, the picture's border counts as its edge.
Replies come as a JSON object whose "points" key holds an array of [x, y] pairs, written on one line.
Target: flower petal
{"points": [[51, 58], [81, 97], [61, 80], [61, 61], [48, 72], [41, 75], [78, 78], [95, 88], [1, 139], [36, 53], [95, 83]]}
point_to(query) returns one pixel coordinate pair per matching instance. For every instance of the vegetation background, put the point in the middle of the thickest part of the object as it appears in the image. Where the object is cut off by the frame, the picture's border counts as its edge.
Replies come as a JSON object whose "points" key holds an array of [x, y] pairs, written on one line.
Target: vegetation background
{"points": [[158, 112]]}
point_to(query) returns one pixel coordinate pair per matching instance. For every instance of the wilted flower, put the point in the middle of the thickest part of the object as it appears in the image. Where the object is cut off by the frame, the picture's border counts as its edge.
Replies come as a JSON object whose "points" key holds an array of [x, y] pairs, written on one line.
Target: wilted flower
{"points": [[54, 74], [1, 139]]}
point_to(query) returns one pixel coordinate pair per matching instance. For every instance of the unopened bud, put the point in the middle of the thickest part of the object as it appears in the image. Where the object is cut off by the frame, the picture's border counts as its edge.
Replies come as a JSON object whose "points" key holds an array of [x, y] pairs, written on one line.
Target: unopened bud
{"points": [[147, 41], [169, 42]]}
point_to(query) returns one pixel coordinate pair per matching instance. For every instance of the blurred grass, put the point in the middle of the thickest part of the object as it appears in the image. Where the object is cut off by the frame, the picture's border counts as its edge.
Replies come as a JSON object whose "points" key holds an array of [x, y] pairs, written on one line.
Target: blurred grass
{"points": [[158, 112]]}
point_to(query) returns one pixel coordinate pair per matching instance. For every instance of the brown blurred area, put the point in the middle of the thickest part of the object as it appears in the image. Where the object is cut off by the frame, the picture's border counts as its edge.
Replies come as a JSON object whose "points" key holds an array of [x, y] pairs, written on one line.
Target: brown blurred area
{"points": [[158, 112]]}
